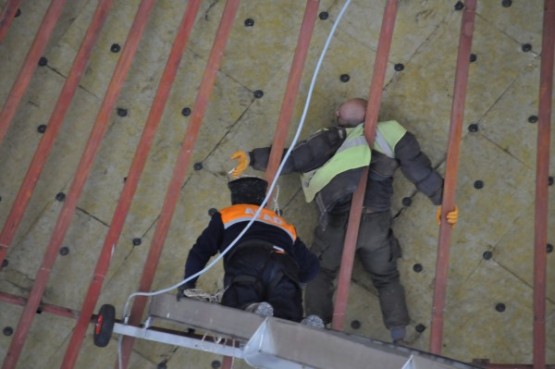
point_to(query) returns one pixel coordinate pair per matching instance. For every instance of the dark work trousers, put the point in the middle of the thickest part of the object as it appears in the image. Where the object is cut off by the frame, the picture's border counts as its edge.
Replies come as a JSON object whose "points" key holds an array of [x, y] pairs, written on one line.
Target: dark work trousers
{"points": [[256, 274], [378, 251]]}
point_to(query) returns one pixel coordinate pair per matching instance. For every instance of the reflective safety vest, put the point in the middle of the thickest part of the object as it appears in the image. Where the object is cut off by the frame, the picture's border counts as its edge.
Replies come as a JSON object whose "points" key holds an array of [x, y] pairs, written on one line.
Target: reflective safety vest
{"points": [[388, 134], [245, 212], [353, 153]]}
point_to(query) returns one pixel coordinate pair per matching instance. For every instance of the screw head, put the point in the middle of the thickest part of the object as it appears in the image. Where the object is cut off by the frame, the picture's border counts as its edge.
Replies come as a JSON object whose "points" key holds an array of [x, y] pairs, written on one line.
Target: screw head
{"points": [[550, 181], [215, 364], [533, 119], [122, 112], [115, 48], [478, 184], [137, 241], [43, 61], [417, 268], [249, 22], [420, 328], [344, 78], [459, 5], [197, 166], [399, 67], [487, 255], [258, 94], [186, 111], [549, 248], [64, 251], [507, 3], [473, 58], [355, 324], [8, 331], [407, 201], [473, 127], [500, 307], [60, 196], [41, 128], [526, 48], [323, 15]]}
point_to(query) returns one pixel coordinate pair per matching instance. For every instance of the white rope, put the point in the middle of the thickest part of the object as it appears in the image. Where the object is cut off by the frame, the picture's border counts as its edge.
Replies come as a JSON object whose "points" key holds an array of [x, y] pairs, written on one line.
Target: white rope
{"points": [[198, 294], [277, 209]]}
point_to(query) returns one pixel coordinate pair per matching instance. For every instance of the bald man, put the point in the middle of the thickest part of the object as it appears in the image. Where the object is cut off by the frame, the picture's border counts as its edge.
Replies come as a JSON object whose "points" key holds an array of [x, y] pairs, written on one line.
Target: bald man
{"points": [[331, 163], [351, 112]]}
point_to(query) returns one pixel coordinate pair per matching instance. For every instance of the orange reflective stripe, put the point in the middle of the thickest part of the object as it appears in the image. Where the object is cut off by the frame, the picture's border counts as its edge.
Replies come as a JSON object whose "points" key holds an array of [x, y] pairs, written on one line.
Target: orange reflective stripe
{"points": [[243, 213]]}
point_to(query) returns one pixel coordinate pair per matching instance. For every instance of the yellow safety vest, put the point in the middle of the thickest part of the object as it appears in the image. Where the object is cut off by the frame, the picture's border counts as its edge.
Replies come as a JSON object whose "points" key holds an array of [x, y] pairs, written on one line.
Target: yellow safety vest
{"points": [[245, 212], [353, 153]]}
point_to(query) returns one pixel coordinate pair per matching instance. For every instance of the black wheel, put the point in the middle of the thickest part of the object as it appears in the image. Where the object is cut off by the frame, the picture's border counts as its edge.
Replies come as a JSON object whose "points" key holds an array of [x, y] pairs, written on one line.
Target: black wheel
{"points": [[104, 325]]}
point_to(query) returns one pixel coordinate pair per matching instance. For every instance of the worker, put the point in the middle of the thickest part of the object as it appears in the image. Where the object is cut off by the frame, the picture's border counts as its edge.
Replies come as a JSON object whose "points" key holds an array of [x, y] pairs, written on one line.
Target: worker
{"points": [[331, 163], [264, 270]]}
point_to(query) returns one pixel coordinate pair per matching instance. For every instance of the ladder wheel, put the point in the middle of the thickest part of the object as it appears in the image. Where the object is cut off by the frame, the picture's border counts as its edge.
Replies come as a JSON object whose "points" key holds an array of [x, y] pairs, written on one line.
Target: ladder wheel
{"points": [[104, 325]]}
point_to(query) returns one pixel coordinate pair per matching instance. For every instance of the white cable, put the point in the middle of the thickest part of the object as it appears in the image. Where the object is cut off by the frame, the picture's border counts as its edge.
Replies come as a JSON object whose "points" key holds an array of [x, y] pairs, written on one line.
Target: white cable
{"points": [[272, 186], [276, 201]]}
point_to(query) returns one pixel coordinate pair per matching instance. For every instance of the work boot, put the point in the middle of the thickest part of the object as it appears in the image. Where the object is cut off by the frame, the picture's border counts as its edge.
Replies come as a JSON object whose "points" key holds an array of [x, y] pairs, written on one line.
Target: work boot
{"points": [[397, 334], [261, 308], [313, 321]]}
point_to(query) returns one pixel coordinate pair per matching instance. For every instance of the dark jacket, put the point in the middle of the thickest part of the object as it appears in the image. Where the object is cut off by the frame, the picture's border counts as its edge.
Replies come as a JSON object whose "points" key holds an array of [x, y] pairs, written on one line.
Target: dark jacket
{"points": [[215, 238], [315, 151]]}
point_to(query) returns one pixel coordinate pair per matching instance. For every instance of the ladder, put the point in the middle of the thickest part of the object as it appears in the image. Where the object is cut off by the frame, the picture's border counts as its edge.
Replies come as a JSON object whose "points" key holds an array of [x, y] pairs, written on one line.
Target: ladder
{"points": [[273, 343]]}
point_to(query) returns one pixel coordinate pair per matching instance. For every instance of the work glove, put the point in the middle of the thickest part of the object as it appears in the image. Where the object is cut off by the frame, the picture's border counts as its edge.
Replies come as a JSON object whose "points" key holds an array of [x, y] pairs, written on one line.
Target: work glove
{"points": [[452, 216], [243, 161]]}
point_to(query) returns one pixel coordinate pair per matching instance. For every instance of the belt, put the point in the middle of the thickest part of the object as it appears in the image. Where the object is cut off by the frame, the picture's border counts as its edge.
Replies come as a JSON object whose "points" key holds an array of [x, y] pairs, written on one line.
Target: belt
{"points": [[274, 249]]}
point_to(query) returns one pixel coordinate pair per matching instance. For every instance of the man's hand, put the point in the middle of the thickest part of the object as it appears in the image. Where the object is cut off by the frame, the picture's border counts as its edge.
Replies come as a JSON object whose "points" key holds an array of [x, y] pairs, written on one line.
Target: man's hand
{"points": [[243, 161], [452, 216]]}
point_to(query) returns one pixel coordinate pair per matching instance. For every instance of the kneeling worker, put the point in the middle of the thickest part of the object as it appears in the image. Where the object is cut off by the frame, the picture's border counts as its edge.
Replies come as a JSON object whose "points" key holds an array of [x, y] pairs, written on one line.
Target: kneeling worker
{"points": [[265, 268]]}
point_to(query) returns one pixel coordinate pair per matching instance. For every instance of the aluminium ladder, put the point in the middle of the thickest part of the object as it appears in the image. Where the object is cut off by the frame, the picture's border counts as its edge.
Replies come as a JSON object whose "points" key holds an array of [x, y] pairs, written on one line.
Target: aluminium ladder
{"points": [[273, 343]]}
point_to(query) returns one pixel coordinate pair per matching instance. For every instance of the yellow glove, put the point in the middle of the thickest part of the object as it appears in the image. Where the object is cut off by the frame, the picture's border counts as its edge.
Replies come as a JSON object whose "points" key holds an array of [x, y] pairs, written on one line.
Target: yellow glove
{"points": [[452, 216], [243, 161]]}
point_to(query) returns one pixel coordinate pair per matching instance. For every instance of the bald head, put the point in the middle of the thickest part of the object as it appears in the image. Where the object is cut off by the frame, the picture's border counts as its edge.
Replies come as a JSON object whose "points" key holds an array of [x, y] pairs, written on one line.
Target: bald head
{"points": [[352, 112]]}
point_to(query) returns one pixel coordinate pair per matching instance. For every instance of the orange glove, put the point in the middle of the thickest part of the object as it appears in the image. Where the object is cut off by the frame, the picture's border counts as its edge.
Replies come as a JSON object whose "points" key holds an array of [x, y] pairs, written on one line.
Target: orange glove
{"points": [[452, 216], [243, 161]]}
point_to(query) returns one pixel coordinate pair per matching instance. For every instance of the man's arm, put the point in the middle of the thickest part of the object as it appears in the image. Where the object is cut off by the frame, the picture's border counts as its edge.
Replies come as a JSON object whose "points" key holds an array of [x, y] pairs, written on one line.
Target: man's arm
{"points": [[309, 266], [207, 245], [307, 155], [416, 166]]}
